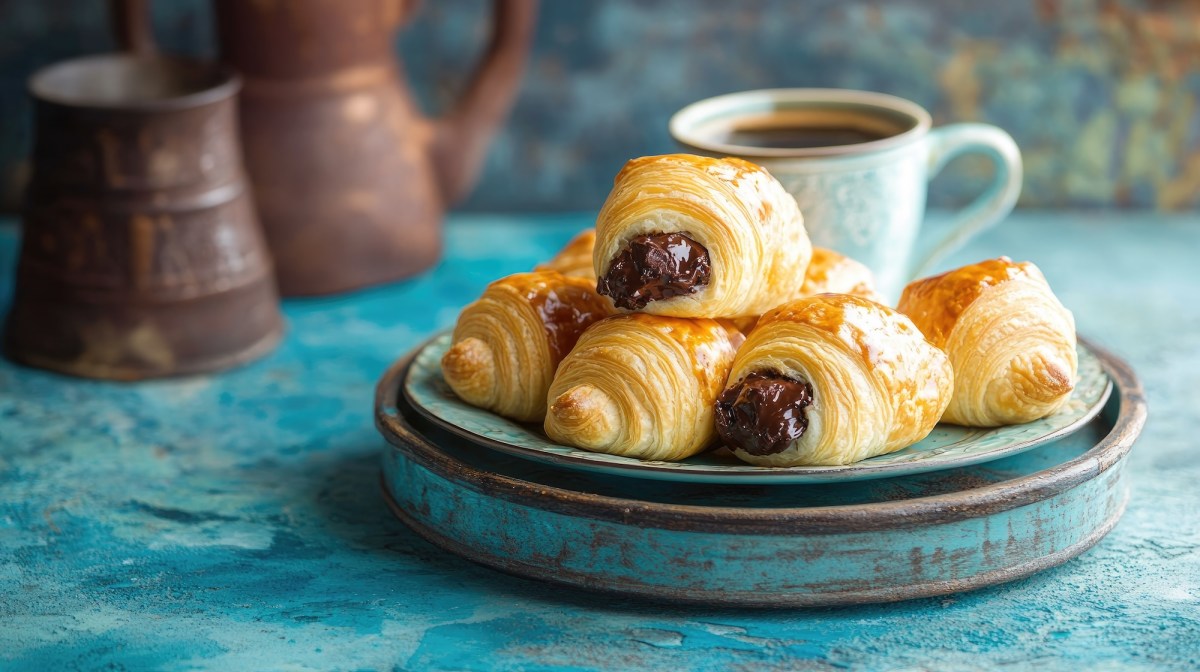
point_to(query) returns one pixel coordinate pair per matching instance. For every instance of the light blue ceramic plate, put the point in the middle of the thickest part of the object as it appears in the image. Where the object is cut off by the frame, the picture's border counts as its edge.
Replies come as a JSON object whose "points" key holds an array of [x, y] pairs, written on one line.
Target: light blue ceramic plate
{"points": [[947, 447]]}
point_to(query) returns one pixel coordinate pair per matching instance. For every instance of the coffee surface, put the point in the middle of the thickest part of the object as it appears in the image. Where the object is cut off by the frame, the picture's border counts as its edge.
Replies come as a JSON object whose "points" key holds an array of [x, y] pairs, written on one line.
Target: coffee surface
{"points": [[799, 137]]}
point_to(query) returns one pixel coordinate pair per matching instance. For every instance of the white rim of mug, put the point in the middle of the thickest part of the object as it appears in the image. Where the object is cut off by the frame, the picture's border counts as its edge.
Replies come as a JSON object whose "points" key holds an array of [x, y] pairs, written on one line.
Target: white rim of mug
{"points": [[684, 123], [228, 83]]}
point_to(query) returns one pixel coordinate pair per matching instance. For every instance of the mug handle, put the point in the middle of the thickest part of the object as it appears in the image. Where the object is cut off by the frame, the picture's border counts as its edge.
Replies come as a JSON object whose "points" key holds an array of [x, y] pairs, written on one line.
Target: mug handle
{"points": [[947, 142]]}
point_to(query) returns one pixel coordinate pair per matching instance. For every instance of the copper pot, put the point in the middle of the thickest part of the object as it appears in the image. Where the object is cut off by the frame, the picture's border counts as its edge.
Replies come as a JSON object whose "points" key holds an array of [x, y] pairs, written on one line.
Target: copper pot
{"points": [[351, 181], [141, 254]]}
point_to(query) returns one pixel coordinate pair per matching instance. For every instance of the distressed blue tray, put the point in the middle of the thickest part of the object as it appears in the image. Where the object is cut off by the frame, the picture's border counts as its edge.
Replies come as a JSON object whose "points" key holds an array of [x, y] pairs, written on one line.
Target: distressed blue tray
{"points": [[804, 545]]}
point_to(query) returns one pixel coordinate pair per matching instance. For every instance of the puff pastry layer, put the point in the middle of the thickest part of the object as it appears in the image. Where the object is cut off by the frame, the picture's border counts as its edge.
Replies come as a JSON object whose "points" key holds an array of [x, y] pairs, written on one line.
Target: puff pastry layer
{"points": [[832, 272], [1012, 343], [876, 384], [642, 386], [508, 344], [748, 224]]}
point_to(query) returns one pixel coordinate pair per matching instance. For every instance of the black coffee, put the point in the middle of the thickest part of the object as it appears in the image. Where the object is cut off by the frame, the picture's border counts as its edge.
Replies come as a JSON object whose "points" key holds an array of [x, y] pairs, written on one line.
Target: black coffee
{"points": [[799, 137]]}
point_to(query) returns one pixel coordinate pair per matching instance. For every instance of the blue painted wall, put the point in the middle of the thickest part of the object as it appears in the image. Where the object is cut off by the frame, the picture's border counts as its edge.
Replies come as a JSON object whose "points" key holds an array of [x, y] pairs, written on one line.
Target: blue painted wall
{"points": [[1101, 96]]}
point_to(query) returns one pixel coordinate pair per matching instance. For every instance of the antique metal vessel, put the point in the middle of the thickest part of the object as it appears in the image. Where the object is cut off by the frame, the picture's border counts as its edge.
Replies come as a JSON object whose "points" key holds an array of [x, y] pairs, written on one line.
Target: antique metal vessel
{"points": [[351, 180], [141, 254]]}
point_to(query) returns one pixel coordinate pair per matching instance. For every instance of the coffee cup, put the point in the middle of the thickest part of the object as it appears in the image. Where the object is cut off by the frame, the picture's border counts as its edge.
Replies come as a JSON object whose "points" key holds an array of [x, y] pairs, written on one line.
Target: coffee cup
{"points": [[859, 164]]}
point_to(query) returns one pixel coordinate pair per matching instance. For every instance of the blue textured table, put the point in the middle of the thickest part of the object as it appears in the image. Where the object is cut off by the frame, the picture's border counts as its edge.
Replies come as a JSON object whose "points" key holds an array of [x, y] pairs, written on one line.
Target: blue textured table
{"points": [[235, 521]]}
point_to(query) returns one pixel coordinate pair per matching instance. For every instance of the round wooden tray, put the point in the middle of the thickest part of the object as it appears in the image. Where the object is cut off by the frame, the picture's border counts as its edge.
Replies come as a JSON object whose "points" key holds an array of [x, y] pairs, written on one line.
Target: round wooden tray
{"points": [[799, 545]]}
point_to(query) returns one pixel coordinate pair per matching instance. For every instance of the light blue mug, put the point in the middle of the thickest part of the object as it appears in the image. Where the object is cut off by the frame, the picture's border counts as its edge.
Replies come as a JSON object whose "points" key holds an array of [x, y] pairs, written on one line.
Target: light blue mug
{"points": [[865, 199]]}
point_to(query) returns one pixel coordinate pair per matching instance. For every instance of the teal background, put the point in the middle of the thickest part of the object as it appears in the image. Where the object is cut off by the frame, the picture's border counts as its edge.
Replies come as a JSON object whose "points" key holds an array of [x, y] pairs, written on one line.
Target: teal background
{"points": [[1101, 95], [234, 521]]}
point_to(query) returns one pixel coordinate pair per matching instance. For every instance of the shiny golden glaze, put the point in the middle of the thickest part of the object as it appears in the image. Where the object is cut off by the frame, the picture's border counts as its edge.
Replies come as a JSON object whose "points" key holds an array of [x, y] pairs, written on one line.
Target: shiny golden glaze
{"points": [[864, 327], [565, 306], [642, 386], [728, 169], [743, 324], [830, 271], [575, 258], [748, 223], [708, 342], [508, 344], [935, 303], [1010, 340], [878, 385]]}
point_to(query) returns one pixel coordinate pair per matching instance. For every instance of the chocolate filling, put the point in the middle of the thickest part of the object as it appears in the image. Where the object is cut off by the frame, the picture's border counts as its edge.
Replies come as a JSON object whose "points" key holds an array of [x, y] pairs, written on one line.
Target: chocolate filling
{"points": [[565, 313], [764, 413], [653, 267]]}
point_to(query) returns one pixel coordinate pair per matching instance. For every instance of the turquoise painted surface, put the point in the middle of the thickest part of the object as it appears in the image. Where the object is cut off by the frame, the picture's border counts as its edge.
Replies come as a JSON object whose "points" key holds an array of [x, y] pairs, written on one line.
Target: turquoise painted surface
{"points": [[234, 521], [1101, 95]]}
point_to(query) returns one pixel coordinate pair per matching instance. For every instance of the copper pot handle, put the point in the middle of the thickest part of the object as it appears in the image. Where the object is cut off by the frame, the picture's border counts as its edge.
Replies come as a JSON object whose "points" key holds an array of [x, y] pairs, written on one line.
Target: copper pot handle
{"points": [[132, 27], [463, 134]]}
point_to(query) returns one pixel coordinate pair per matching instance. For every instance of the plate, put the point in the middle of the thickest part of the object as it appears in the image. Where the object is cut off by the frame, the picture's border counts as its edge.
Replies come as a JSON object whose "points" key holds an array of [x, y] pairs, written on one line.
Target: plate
{"points": [[946, 447]]}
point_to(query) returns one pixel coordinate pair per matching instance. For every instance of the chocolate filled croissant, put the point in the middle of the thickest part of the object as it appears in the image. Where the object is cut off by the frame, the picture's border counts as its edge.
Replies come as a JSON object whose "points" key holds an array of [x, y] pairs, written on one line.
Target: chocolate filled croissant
{"points": [[575, 258], [831, 379], [832, 272], [642, 386], [691, 236], [1011, 342], [508, 344]]}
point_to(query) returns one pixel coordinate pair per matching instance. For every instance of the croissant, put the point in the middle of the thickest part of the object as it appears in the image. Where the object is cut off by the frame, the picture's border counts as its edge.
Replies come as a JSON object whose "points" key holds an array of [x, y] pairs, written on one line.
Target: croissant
{"points": [[691, 236], [574, 259], [831, 379], [830, 271], [1011, 342], [642, 386], [507, 345]]}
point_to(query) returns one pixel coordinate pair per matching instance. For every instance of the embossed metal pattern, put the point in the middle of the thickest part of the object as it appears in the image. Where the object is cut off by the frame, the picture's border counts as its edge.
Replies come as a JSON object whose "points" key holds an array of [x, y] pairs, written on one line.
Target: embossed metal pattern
{"points": [[142, 255], [947, 447]]}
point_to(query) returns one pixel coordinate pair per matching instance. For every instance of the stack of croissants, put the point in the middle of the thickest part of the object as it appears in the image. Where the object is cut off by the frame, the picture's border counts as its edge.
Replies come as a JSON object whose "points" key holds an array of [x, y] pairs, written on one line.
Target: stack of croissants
{"points": [[697, 313]]}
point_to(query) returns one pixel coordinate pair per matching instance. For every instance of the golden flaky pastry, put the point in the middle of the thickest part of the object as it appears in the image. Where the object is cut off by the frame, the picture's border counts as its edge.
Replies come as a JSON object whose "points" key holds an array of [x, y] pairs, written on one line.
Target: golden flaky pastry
{"points": [[828, 273], [642, 386], [832, 272], [575, 258], [1011, 342], [831, 379], [691, 236], [507, 345]]}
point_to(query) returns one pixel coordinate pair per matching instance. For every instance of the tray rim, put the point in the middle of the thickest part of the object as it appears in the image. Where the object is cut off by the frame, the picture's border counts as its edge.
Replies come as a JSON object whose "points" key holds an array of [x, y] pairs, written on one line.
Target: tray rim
{"points": [[775, 600], [761, 476], [933, 510]]}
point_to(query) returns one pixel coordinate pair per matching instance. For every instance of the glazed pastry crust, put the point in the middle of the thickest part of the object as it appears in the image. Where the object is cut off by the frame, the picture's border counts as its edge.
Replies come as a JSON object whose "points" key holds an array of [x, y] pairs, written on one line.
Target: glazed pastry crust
{"points": [[575, 258], [829, 272], [642, 386], [508, 344], [832, 272], [878, 385], [1011, 341], [750, 225]]}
